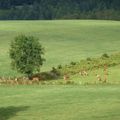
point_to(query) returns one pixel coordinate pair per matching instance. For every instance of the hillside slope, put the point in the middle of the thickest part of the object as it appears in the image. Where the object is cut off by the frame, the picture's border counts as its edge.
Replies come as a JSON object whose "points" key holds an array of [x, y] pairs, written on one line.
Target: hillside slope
{"points": [[64, 41]]}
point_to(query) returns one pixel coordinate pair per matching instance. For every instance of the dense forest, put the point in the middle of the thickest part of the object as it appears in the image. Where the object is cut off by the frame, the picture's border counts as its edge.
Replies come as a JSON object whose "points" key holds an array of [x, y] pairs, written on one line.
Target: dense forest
{"points": [[59, 9]]}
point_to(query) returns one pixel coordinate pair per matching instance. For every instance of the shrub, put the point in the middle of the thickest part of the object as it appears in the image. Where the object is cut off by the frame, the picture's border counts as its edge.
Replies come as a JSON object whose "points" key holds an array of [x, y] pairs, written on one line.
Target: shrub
{"points": [[105, 55], [69, 82], [59, 67], [73, 63], [49, 75], [89, 59]]}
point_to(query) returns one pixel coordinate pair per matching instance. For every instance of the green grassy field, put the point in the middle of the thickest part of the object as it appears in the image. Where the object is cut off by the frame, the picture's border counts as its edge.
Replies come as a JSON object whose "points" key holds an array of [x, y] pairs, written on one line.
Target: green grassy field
{"points": [[101, 102], [64, 41], [112, 78]]}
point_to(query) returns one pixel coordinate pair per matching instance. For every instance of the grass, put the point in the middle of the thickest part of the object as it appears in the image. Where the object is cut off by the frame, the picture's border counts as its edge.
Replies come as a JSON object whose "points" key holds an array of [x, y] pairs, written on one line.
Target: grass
{"points": [[60, 102], [112, 78], [64, 41], [91, 64]]}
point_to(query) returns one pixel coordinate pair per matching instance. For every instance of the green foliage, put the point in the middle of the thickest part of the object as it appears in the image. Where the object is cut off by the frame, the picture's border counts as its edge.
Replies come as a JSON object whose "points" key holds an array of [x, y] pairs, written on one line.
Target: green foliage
{"points": [[50, 75], [59, 67], [92, 63], [26, 54], [105, 56], [61, 9], [88, 59], [71, 43], [73, 63]]}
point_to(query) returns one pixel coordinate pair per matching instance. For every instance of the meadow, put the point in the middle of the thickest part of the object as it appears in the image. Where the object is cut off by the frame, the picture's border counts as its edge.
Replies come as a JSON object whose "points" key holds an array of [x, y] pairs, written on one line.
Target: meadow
{"points": [[64, 41], [93, 102]]}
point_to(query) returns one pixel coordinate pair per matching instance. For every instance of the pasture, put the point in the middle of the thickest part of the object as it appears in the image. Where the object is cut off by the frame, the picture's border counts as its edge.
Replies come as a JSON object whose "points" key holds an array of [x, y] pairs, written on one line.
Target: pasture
{"points": [[64, 41], [92, 102]]}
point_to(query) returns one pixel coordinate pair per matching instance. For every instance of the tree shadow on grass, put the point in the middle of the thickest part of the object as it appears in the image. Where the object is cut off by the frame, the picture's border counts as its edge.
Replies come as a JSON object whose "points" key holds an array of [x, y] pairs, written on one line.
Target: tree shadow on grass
{"points": [[8, 112]]}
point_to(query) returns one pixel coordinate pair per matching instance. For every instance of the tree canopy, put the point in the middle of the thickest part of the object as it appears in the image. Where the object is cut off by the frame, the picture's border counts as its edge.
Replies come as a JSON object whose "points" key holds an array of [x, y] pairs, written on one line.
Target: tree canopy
{"points": [[26, 54], [60, 9]]}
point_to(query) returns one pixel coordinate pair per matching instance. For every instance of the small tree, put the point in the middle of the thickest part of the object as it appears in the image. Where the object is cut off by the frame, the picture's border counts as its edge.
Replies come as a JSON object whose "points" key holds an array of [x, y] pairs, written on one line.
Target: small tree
{"points": [[26, 53]]}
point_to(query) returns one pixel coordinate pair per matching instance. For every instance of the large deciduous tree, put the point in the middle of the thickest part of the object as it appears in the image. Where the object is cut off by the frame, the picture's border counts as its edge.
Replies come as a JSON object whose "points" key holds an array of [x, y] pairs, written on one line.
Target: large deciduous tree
{"points": [[26, 55]]}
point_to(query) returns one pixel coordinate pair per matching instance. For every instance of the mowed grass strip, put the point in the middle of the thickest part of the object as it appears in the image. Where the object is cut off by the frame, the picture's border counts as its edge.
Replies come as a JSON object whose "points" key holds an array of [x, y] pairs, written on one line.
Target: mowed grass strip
{"points": [[64, 40], [60, 102]]}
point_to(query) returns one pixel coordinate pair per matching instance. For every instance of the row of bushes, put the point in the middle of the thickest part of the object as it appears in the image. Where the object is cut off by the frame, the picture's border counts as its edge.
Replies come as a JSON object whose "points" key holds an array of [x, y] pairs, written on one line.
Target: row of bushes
{"points": [[76, 67], [90, 64]]}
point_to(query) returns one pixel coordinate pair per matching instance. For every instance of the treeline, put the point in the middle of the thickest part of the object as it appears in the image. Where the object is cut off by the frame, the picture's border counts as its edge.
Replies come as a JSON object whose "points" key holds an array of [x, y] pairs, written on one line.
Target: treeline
{"points": [[60, 9]]}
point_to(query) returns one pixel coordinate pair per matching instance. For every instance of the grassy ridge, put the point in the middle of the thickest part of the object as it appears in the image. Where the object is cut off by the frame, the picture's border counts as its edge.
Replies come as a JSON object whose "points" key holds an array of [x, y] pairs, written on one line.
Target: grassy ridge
{"points": [[91, 64], [64, 41]]}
